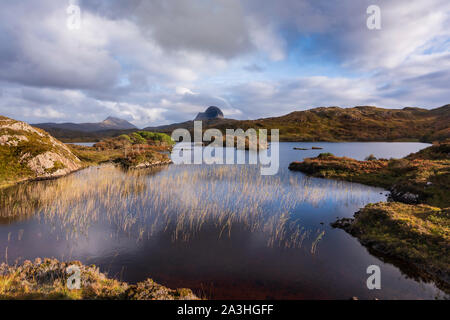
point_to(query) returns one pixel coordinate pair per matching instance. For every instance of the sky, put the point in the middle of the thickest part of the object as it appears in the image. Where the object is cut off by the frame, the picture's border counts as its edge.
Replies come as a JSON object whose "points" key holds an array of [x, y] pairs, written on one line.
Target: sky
{"points": [[157, 62]]}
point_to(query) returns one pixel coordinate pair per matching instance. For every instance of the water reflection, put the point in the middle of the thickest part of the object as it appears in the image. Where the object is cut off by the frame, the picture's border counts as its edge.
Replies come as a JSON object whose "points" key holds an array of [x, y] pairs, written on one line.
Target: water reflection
{"points": [[224, 231], [141, 205]]}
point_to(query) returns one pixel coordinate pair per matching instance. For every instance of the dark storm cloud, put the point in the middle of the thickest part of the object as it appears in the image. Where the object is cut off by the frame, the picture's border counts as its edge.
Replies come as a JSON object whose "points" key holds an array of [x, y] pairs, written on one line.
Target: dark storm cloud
{"points": [[215, 27]]}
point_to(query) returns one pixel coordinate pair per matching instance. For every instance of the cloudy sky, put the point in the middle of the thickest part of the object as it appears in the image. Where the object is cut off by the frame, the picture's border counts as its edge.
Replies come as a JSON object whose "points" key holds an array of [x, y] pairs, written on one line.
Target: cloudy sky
{"points": [[159, 61]]}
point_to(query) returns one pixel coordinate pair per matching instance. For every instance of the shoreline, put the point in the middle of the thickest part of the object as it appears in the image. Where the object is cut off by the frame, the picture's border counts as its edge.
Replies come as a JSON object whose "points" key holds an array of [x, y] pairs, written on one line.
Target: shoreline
{"points": [[370, 244], [398, 244], [137, 167], [112, 159], [413, 226], [86, 164]]}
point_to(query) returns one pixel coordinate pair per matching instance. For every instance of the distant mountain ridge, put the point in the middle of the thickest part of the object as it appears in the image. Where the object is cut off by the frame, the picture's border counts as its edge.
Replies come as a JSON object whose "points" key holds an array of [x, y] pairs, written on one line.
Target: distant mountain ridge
{"points": [[110, 123], [361, 123]]}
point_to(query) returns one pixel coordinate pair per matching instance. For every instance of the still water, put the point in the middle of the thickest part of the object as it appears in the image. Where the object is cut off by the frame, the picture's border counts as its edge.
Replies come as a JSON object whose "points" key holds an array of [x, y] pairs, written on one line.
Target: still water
{"points": [[224, 231], [83, 144]]}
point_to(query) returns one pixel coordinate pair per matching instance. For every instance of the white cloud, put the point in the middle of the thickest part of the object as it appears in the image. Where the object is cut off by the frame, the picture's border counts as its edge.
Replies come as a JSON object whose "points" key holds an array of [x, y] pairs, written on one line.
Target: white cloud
{"points": [[157, 62], [140, 115], [181, 90], [265, 38]]}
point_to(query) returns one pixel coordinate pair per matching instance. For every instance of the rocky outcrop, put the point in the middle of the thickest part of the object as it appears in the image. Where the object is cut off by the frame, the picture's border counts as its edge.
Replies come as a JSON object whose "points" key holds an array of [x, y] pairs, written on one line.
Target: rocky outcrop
{"points": [[11, 140], [50, 164], [29, 153]]}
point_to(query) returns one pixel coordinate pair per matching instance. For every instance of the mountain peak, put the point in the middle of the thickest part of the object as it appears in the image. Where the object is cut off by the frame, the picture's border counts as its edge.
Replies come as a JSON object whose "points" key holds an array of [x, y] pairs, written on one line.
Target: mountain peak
{"points": [[117, 123], [110, 118], [210, 113]]}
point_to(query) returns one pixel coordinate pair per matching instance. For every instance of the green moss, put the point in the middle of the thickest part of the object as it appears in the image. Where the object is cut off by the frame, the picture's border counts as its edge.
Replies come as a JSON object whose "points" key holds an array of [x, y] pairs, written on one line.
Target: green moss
{"points": [[156, 136], [10, 169], [57, 165], [137, 138]]}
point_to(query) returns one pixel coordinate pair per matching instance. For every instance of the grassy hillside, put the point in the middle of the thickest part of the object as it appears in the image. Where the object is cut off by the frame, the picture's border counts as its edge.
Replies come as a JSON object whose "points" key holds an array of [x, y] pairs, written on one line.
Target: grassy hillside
{"points": [[364, 124], [360, 124], [30, 153]]}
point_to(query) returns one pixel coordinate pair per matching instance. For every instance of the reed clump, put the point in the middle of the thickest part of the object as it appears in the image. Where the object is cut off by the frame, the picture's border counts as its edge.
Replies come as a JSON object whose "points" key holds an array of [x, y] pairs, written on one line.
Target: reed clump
{"points": [[181, 201]]}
